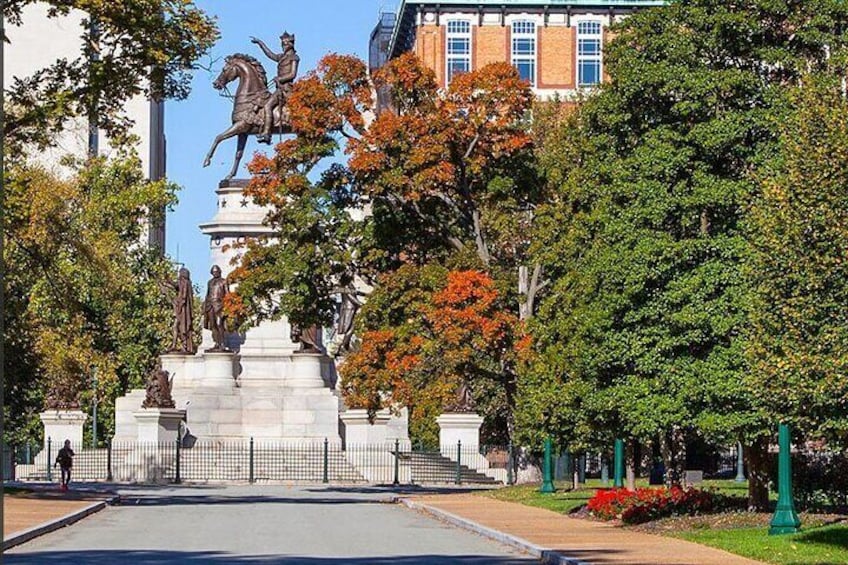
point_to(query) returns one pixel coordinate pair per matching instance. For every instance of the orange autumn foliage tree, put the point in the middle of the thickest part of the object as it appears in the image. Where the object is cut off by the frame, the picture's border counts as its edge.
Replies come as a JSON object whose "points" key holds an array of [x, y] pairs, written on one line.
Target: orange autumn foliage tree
{"points": [[316, 254], [460, 331], [442, 173]]}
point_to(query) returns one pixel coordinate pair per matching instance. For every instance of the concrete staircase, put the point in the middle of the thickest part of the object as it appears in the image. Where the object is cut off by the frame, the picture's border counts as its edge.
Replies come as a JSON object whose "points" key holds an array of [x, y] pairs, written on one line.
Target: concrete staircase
{"points": [[434, 468]]}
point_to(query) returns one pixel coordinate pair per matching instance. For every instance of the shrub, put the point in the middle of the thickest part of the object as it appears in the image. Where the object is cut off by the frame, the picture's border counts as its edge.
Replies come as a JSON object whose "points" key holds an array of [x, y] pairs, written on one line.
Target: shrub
{"points": [[647, 504], [819, 480]]}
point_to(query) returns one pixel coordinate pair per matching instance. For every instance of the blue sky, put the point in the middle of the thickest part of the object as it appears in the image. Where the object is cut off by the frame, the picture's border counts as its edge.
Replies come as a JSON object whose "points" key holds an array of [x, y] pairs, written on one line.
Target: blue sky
{"points": [[321, 26]]}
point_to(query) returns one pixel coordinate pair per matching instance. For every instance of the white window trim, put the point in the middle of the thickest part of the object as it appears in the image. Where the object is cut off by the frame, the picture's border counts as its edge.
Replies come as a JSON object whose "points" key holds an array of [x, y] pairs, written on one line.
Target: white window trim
{"points": [[445, 21], [575, 22], [535, 57]]}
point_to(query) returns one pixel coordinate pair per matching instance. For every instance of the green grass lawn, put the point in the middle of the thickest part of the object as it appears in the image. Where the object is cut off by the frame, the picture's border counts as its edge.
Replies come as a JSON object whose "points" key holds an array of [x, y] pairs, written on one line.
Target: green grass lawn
{"points": [[824, 545], [563, 501], [816, 544]]}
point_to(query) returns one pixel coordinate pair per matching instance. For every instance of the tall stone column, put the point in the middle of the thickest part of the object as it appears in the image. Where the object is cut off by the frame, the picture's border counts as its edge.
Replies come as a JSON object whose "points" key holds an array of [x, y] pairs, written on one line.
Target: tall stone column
{"points": [[237, 219]]}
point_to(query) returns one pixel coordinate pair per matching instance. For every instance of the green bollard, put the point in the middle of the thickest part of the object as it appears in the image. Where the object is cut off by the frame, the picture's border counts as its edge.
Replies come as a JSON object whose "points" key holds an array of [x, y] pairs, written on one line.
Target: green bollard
{"points": [[618, 470], [547, 482], [740, 464], [785, 519]]}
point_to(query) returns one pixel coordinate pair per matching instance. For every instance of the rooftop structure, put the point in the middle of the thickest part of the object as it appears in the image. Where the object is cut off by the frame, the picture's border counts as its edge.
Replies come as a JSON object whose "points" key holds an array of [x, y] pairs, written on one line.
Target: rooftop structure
{"points": [[556, 45]]}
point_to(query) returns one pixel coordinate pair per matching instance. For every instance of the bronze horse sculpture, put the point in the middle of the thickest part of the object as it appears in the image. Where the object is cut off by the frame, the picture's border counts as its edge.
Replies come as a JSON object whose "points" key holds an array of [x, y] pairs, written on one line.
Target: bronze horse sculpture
{"points": [[248, 106]]}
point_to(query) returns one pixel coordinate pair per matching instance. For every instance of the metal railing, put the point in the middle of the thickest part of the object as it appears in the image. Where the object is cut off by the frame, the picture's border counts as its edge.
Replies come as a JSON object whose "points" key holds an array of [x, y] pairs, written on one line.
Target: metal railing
{"points": [[260, 460]]}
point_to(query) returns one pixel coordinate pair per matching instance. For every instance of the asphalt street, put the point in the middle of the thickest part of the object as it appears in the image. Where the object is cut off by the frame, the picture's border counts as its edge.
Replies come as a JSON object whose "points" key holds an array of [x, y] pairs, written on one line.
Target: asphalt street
{"points": [[261, 525]]}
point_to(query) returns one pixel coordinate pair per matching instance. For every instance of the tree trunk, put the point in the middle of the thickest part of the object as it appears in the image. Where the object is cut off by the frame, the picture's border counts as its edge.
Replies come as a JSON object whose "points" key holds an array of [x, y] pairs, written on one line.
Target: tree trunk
{"points": [[673, 450], [528, 287], [758, 475], [630, 465], [678, 446], [665, 453], [510, 391]]}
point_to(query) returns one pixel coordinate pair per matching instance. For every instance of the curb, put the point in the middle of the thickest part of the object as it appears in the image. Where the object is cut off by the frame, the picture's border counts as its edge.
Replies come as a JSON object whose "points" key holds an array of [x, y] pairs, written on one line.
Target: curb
{"points": [[545, 555], [67, 520]]}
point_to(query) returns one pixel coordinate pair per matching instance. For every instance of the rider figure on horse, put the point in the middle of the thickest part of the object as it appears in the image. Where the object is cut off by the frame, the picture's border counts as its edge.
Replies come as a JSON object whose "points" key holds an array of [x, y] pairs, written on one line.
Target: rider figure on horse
{"points": [[287, 63]]}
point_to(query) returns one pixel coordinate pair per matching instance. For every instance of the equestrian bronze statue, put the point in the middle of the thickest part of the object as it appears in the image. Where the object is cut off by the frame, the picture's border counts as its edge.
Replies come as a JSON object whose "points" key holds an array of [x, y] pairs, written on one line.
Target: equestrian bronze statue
{"points": [[256, 110]]}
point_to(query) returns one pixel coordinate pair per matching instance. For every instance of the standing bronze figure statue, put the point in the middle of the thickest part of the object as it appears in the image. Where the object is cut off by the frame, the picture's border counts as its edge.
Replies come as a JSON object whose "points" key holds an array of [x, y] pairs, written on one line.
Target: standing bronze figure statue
{"points": [[255, 109], [308, 339], [344, 324], [213, 310], [183, 334]]}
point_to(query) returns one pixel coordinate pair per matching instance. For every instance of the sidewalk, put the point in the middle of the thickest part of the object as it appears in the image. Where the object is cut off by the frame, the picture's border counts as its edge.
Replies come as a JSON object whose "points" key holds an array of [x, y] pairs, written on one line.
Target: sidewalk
{"points": [[575, 540], [45, 508]]}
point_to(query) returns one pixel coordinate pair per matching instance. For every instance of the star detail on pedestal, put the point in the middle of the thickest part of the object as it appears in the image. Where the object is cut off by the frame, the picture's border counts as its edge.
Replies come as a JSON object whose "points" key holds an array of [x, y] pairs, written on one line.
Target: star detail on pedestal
{"points": [[223, 203], [244, 202]]}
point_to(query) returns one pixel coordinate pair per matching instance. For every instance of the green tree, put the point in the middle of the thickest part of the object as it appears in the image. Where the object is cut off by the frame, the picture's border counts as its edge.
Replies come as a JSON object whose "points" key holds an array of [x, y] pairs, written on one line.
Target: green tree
{"points": [[138, 47], [798, 344], [83, 292], [641, 332]]}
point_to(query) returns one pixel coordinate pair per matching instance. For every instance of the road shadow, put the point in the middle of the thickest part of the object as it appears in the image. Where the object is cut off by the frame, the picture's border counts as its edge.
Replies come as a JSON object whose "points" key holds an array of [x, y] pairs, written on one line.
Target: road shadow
{"points": [[331, 495], [397, 490], [215, 500], [152, 557]]}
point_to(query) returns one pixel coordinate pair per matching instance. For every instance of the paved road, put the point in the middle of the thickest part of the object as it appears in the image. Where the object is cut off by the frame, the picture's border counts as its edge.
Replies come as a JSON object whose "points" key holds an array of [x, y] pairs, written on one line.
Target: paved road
{"points": [[247, 525]]}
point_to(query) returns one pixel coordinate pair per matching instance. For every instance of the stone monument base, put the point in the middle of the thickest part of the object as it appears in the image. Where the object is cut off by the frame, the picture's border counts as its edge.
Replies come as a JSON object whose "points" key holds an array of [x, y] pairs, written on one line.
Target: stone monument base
{"points": [[60, 425], [228, 396], [459, 439], [158, 425], [455, 427], [359, 430]]}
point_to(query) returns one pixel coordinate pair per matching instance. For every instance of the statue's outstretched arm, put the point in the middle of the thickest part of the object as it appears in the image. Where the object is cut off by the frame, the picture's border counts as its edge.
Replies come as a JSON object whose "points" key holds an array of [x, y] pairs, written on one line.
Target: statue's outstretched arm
{"points": [[268, 53]]}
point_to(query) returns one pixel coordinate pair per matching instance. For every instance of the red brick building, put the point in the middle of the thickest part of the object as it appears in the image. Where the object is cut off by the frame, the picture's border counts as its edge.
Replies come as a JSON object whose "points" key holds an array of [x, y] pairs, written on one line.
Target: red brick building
{"points": [[556, 45]]}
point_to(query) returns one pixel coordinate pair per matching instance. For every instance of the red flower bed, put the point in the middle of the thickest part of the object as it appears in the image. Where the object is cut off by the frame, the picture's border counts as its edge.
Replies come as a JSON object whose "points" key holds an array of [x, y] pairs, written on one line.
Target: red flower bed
{"points": [[647, 504]]}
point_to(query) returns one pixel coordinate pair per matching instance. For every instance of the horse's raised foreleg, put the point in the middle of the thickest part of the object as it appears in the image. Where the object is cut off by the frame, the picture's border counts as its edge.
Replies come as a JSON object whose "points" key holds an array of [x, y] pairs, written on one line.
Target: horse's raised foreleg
{"points": [[234, 130], [242, 141]]}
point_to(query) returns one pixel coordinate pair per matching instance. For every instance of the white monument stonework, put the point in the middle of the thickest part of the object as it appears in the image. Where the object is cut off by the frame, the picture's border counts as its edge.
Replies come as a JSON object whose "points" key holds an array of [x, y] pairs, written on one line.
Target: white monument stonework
{"points": [[158, 425], [360, 430], [60, 425], [264, 388], [459, 438], [455, 427]]}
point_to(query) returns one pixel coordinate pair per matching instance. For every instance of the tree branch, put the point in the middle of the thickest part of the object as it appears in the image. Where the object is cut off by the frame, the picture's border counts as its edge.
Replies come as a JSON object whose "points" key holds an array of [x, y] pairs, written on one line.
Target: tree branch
{"points": [[528, 307]]}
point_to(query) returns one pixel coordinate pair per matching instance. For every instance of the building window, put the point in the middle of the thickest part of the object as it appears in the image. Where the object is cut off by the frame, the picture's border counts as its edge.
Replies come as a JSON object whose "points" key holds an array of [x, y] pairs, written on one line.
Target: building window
{"points": [[524, 50], [589, 53], [458, 48]]}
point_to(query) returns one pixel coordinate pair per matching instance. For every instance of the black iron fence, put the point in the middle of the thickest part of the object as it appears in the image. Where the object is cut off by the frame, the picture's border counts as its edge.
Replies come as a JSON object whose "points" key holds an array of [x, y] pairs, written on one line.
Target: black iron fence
{"points": [[256, 460]]}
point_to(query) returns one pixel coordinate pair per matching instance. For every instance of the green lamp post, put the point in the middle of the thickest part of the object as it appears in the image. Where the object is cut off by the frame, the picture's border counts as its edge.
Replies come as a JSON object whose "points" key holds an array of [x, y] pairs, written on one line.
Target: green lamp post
{"points": [[785, 519], [547, 480], [618, 466]]}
